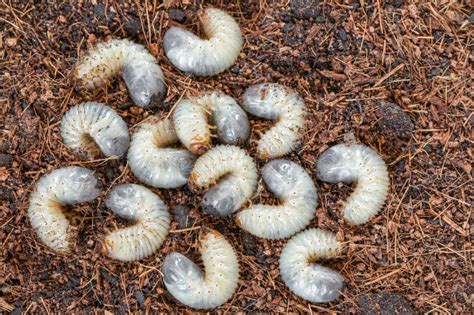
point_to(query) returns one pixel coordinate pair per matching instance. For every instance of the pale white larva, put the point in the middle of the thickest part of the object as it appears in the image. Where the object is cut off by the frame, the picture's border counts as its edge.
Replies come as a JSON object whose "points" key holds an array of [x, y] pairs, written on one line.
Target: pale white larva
{"points": [[62, 187], [211, 288], [141, 73], [237, 176], [204, 57], [305, 278], [152, 162], [151, 223], [192, 116], [356, 163], [274, 101], [88, 125], [298, 196]]}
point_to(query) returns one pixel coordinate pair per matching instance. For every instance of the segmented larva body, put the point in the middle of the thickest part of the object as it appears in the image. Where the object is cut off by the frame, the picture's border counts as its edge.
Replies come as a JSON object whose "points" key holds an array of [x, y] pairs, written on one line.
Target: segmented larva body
{"points": [[192, 116], [276, 102], [151, 223], [153, 162], [302, 275], [204, 57], [88, 125], [298, 195], [356, 163], [239, 179], [189, 285], [64, 186], [141, 73]]}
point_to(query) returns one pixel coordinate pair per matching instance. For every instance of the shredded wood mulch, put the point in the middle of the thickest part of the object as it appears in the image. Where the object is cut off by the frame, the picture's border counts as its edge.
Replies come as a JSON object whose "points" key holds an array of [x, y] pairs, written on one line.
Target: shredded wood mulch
{"points": [[393, 74]]}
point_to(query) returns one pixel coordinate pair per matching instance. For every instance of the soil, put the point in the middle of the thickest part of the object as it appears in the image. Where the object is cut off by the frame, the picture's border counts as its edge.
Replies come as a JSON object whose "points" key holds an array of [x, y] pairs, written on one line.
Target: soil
{"points": [[345, 58]]}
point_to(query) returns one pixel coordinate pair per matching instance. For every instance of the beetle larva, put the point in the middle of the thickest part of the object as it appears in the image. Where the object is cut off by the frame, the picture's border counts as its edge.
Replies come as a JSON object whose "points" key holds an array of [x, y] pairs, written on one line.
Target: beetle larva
{"points": [[141, 73], [191, 117], [155, 164], [204, 57], [239, 179], [151, 223], [64, 186], [274, 101], [298, 196], [356, 162], [211, 288], [89, 124], [300, 272]]}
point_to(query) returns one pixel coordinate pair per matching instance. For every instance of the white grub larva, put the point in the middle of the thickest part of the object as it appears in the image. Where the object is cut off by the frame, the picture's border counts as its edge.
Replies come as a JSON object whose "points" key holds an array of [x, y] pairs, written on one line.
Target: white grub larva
{"points": [[141, 73], [356, 163], [290, 183], [62, 187], [204, 57], [238, 179], [311, 281], [276, 102], [151, 223], [88, 125], [192, 116], [153, 162], [211, 288]]}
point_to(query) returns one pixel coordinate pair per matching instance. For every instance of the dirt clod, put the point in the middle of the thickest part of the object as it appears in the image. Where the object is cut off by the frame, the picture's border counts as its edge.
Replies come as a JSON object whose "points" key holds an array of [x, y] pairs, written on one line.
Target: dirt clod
{"points": [[384, 304], [394, 120]]}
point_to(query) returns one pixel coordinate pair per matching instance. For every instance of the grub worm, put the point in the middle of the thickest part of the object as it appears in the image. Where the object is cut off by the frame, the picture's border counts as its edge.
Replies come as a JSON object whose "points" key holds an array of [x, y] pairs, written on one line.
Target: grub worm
{"points": [[301, 274], [151, 223], [88, 125], [192, 117], [237, 176], [290, 183], [62, 187], [204, 57], [276, 102], [356, 163], [151, 159], [211, 288], [141, 73]]}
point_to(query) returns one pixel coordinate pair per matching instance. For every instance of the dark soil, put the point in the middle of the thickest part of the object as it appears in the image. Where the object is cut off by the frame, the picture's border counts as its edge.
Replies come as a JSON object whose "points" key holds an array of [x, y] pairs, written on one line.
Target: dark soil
{"points": [[344, 58]]}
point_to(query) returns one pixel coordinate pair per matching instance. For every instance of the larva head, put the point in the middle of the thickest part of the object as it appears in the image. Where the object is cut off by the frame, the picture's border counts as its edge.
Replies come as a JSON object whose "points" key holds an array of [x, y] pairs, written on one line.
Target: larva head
{"points": [[338, 164], [80, 184], [222, 199], [281, 176], [260, 100], [145, 82], [123, 200], [180, 274], [232, 123]]}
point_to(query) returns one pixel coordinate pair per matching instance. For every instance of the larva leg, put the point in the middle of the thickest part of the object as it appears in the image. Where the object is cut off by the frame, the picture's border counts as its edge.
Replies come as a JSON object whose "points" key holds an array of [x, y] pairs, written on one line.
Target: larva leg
{"points": [[234, 189], [275, 102], [356, 163], [302, 275], [211, 288], [64, 186], [143, 76], [298, 201], [204, 57], [97, 122], [152, 162], [151, 223]]}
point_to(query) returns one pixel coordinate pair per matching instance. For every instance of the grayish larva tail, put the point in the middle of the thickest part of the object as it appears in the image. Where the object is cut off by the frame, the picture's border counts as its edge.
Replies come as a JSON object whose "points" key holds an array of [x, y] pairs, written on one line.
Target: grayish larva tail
{"points": [[208, 289], [151, 223], [290, 183], [64, 186], [356, 162], [192, 116], [152, 162], [302, 275], [143, 76], [276, 102], [89, 124], [204, 57], [234, 189]]}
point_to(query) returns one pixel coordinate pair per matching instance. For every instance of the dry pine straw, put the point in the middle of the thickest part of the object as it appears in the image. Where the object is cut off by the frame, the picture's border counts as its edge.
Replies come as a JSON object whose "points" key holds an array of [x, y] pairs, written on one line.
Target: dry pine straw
{"points": [[343, 57]]}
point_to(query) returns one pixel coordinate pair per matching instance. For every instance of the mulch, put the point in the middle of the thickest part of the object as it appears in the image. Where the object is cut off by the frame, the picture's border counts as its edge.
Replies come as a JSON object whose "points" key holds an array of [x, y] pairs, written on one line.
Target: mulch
{"points": [[395, 75]]}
